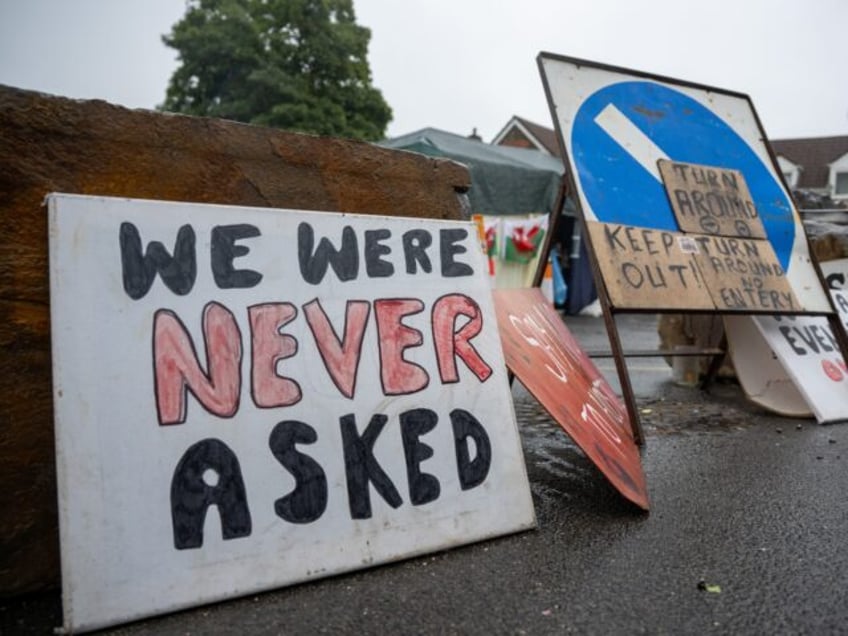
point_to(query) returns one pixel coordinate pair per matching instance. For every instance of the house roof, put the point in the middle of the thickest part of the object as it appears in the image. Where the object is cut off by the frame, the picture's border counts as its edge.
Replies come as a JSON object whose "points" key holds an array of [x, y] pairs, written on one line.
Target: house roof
{"points": [[812, 154], [544, 137]]}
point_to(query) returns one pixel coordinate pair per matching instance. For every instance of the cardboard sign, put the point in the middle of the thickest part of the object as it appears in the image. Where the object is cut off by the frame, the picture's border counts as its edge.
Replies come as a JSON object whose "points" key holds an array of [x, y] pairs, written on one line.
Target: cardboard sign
{"points": [[549, 362], [645, 268], [810, 355], [744, 275], [710, 200], [247, 398], [615, 124]]}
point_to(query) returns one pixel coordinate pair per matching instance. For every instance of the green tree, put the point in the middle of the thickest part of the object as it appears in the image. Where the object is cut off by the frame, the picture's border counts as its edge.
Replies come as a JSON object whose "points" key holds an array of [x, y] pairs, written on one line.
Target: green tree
{"points": [[293, 64]]}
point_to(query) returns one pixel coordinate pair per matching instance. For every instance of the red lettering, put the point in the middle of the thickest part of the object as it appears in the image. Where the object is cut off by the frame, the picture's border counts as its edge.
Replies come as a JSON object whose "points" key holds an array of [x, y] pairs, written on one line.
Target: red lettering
{"points": [[450, 341], [269, 346], [176, 367], [399, 376], [341, 357]]}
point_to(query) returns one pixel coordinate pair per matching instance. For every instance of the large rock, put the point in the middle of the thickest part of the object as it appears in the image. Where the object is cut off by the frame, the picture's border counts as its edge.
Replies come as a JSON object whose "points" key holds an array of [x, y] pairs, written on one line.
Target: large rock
{"points": [[50, 144]]}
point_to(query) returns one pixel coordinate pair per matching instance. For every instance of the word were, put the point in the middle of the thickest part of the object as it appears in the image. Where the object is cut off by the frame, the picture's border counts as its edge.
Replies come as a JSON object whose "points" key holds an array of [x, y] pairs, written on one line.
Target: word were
{"points": [[178, 270]]}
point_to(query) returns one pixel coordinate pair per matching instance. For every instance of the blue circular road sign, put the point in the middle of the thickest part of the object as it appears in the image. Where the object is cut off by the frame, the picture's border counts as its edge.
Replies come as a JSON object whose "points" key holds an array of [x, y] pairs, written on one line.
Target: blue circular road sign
{"points": [[621, 190]]}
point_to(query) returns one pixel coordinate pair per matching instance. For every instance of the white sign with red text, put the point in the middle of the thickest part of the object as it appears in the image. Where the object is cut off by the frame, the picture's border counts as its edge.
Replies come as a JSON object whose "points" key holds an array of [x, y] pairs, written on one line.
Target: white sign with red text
{"points": [[247, 398], [809, 353]]}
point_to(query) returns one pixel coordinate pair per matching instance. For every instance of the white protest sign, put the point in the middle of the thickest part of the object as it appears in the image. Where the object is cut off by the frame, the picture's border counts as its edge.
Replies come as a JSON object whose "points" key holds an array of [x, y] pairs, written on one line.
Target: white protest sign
{"points": [[246, 398], [809, 353]]}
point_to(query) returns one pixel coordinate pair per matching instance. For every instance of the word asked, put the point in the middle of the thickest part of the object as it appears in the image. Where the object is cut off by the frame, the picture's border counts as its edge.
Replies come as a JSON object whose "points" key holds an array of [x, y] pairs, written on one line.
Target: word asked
{"points": [[209, 473]]}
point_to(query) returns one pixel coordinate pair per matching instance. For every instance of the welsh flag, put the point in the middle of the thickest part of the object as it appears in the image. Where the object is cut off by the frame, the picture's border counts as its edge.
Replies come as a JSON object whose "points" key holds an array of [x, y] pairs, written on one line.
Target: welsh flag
{"points": [[523, 239]]}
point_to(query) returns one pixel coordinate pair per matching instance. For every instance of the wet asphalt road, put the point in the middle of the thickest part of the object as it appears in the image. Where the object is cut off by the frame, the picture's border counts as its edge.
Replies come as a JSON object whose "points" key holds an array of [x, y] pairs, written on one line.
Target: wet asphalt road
{"points": [[747, 535]]}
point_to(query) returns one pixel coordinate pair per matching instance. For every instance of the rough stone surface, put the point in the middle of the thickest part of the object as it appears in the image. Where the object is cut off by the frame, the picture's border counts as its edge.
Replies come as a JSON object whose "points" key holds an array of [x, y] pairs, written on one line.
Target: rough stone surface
{"points": [[50, 144]]}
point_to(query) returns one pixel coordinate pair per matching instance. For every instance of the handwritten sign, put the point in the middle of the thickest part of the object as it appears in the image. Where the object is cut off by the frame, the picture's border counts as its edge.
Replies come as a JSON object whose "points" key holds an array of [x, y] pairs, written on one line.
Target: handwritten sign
{"points": [[835, 273], [645, 268], [247, 398], [744, 275], [710, 200], [810, 355], [548, 360]]}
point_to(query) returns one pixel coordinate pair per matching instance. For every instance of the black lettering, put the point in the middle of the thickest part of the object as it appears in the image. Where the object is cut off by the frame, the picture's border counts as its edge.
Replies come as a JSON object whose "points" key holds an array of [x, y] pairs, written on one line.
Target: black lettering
{"points": [[716, 204], [718, 266], [821, 340], [751, 250], [471, 472], [178, 272], [712, 178], [647, 237], [376, 267], [224, 251], [667, 241], [308, 501], [633, 275], [732, 298], [700, 203], [807, 338], [729, 180], [787, 334], [415, 244], [423, 487], [680, 169], [678, 269], [659, 281], [191, 494], [634, 244], [362, 468], [449, 246], [612, 237], [344, 261]]}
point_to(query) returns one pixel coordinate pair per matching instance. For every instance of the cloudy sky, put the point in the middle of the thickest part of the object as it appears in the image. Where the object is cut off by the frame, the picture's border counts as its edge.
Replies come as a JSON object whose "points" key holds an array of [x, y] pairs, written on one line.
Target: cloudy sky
{"points": [[464, 64]]}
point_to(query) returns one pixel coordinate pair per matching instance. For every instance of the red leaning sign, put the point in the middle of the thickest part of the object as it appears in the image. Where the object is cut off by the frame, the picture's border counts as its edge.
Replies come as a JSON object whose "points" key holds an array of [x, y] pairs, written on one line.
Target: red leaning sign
{"points": [[548, 360]]}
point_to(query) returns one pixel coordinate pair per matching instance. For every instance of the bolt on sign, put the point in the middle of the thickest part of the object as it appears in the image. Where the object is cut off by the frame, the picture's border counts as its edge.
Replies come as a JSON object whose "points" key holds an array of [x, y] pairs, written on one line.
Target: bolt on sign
{"points": [[548, 360], [248, 398]]}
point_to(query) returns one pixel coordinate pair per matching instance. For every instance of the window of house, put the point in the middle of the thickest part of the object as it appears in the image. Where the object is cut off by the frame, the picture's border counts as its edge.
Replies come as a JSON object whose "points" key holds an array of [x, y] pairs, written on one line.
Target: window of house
{"points": [[840, 187]]}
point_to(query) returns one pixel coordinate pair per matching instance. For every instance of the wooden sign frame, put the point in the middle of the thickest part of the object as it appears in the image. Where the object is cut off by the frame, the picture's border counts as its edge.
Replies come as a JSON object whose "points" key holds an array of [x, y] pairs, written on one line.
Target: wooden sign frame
{"points": [[617, 179]]}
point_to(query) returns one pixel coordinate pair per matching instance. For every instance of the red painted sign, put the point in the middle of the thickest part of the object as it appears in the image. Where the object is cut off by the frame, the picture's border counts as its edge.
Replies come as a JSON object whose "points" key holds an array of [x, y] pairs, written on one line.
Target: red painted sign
{"points": [[548, 360]]}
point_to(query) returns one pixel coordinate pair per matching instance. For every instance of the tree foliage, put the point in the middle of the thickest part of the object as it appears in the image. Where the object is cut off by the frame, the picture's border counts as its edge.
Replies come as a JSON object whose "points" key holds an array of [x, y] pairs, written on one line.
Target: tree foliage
{"points": [[293, 64]]}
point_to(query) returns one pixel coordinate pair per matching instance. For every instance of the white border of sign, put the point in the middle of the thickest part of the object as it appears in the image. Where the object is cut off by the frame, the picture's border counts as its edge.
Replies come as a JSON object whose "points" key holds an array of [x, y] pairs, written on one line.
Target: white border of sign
{"points": [[117, 465]]}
